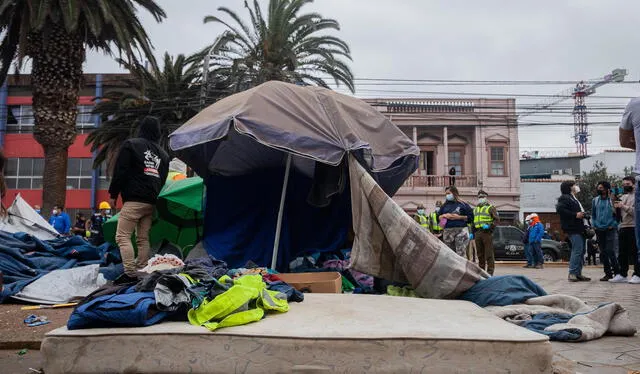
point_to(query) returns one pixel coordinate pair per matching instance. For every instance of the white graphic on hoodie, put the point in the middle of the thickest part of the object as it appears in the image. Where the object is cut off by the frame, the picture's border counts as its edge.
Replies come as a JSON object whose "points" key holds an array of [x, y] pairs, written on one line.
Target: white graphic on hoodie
{"points": [[151, 164]]}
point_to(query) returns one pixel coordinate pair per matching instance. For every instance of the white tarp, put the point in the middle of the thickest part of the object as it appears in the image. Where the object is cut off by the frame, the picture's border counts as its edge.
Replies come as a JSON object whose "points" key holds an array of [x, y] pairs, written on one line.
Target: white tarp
{"points": [[63, 286], [22, 218]]}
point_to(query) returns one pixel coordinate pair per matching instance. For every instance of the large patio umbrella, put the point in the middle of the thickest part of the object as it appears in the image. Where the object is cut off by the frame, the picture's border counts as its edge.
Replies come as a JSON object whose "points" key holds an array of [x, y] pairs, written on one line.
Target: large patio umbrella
{"points": [[178, 215], [283, 125]]}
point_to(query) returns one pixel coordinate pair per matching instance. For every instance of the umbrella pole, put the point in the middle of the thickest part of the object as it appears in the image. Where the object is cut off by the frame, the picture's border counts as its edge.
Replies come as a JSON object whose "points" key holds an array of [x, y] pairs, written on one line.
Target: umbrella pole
{"points": [[276, 242]]}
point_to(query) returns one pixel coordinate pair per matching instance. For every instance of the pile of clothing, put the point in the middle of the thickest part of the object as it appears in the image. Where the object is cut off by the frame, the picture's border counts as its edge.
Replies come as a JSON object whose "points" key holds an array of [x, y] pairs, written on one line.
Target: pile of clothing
{"points": [[339, 261], [201, 290]]}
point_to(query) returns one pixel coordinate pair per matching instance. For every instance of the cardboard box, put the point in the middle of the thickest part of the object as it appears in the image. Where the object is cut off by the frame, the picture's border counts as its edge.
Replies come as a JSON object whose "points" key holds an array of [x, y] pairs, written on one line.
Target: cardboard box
{"points": [[320, 282]]}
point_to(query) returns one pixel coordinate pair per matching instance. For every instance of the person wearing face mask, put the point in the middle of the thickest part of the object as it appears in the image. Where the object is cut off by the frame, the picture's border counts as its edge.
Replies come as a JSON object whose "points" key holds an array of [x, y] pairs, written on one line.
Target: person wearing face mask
{"points": [[604, 221], [573, 222], [60, 220], [485, 217], [37, 209], [628, 250], [434, 225], [79, 228], [421, 217], [453, 217], [94, 226]]}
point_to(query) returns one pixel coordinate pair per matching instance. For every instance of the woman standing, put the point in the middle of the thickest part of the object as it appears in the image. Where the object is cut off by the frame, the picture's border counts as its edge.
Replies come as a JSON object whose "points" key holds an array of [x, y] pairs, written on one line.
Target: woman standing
{"points": [[573, 222], [454, 216]]}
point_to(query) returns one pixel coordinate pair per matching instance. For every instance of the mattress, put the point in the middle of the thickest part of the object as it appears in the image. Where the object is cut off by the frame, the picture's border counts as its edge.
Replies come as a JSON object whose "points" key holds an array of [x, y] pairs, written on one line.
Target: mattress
{"points": [[325, 333]]}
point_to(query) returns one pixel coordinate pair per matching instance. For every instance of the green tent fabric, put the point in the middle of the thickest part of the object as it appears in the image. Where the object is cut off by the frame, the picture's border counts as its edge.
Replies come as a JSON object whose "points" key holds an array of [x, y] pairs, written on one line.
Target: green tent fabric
{"points": [[178, 217]]}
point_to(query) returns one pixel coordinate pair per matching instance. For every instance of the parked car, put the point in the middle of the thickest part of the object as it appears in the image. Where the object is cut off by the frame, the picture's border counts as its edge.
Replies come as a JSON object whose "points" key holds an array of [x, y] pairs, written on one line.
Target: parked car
{"points": [[508, 245]]}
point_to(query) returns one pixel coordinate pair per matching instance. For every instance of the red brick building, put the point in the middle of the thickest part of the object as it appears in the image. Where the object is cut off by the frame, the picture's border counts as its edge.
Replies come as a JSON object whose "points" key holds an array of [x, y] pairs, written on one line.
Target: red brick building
{"points": [[85, 186]]}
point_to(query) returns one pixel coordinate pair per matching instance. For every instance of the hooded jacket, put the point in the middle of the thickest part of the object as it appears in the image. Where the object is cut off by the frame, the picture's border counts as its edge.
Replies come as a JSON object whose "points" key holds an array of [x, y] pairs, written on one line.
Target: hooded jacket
{"points": [[142, 167]]}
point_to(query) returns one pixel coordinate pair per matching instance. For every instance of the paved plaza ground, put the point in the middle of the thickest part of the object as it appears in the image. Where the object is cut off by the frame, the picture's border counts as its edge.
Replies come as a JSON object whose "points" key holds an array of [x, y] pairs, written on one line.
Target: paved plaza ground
{"points": [[602, 356]]}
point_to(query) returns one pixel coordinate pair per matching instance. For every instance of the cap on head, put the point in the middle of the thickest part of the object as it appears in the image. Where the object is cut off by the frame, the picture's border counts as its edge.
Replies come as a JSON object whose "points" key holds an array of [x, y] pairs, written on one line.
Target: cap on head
{"points": [[481, 193], [420, 206]]}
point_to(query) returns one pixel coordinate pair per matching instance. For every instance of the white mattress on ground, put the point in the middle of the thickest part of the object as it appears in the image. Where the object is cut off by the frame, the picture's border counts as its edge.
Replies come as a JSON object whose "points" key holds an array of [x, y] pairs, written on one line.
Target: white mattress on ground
{"points": [[325, 333]]}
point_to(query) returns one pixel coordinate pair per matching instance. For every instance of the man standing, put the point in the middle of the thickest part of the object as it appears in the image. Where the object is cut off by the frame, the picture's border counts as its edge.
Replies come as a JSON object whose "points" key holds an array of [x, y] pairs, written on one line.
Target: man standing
{"points": [[573, 221], [485, 217], [536, 231], [434, 225], [94, 226], [604, 221], [421, 217], [628, 249], [140, 172], [60, 220]]}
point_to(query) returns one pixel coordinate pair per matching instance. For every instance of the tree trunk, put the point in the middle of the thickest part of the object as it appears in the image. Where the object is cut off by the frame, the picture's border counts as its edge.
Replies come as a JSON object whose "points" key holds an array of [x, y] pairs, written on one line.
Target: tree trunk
{"points": [[56, 78]]}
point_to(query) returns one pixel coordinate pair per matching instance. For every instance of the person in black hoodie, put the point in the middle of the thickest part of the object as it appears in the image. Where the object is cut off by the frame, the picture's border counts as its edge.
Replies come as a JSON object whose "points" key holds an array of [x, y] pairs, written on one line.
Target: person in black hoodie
{"points": [[572, 220], [140, 172]]}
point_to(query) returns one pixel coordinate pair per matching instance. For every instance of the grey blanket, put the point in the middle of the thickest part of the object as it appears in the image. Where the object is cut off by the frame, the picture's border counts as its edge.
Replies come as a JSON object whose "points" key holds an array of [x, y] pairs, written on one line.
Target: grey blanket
{"points": [[592, 322]]}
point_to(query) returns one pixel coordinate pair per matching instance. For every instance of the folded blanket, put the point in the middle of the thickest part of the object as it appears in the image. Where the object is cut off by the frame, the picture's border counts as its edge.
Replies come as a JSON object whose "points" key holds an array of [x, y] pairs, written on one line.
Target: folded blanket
{"points": [[568, 318], [389, 244]]}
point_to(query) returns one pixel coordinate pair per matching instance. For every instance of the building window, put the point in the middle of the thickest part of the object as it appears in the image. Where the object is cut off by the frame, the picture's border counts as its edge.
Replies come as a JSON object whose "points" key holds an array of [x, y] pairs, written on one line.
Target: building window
{"points": [[84, 121], [26, 173], [20, 119], [497, 161], [456, 161]]}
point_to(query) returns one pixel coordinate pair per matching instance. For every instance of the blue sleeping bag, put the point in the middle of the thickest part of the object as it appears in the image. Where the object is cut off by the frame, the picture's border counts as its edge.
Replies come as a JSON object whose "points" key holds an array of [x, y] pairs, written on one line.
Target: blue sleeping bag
{"points": [[126, 308]]}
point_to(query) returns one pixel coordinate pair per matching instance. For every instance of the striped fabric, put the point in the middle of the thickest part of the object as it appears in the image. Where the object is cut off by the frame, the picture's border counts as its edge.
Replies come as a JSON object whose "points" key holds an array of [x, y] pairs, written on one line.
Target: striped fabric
{"points": [[389, 244]]}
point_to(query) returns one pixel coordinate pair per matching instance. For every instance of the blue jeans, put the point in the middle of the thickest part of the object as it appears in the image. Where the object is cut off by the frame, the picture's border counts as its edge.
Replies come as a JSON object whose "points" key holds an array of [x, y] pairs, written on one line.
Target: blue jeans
{"points": [[536, 253], [528, 254], [638, 215], [606, 242], [577, 254]]}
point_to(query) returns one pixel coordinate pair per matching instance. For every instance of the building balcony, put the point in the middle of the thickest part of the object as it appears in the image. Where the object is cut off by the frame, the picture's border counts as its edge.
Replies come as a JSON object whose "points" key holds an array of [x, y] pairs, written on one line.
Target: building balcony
{"points": [[441, 181]]}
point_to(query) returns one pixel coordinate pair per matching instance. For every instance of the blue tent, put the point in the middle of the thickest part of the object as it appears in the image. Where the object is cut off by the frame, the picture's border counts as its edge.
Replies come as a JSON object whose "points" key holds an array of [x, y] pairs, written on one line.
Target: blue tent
{"points": [[274, 159]]}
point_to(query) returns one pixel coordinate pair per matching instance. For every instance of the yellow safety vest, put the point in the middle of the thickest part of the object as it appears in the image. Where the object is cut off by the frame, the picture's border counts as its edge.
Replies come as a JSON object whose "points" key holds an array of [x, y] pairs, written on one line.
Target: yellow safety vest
{"points": [[435, 227], [482, 216], [424, 222]]}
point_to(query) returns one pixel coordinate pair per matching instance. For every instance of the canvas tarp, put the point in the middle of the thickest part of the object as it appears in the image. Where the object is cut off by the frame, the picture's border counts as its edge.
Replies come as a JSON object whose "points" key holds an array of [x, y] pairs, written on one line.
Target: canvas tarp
{"points": [[389, 244], [22, 218]]}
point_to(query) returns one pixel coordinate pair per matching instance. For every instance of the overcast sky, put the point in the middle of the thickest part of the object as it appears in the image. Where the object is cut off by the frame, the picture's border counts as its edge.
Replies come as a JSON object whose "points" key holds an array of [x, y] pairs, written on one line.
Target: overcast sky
{"points": [[460, 40]]}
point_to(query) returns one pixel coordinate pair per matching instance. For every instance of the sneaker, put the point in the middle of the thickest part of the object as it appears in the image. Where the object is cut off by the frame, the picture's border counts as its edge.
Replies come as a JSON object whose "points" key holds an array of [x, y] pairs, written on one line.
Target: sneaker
{"points": [[528, 266], [539, 266], [573, 278], [619, 279], [634, 280], [582, 278], [605, 278]]}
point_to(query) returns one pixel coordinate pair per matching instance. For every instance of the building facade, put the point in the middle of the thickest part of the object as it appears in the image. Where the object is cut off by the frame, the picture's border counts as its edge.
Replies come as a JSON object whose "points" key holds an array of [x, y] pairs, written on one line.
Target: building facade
{"points": [[23, 173], [477, 138]]}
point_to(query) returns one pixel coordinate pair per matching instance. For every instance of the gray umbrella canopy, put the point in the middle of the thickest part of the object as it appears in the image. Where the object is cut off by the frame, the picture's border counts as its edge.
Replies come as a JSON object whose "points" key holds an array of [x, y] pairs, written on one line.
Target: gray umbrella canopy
{"points": [[260, 127]]}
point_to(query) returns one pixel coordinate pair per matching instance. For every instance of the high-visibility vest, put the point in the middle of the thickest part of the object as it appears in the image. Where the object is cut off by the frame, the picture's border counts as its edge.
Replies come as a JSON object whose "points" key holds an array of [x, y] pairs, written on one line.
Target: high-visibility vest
{"points": [[435, 226], [424, 222], [482, 216]]}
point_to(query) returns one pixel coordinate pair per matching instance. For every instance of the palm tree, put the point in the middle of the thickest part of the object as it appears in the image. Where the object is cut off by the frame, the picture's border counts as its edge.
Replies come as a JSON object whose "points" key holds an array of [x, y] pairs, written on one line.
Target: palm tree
{"points": [[171, 94], [55, 35], [285, 46]]}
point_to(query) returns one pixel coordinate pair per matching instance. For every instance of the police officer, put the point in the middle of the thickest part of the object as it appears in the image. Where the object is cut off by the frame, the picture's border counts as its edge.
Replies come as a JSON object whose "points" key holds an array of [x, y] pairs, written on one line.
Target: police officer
{"points": [[421, 217], [94, 226], [485, 217]]}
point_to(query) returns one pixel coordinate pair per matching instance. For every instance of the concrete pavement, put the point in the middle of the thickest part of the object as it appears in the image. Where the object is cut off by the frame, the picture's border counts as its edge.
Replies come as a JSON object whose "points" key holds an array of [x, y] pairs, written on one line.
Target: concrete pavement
{"points": [[608, 355]]}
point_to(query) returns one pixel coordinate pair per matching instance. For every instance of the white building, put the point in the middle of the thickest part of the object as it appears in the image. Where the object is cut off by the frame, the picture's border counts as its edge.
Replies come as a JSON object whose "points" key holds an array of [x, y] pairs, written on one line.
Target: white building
{"points": [[614, 160]]}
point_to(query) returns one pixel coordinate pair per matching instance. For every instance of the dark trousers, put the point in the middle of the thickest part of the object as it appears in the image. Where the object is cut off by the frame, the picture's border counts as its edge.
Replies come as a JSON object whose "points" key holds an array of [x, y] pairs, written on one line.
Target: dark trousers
{"points": [[484, 247], [628, 251], [606, 240]]}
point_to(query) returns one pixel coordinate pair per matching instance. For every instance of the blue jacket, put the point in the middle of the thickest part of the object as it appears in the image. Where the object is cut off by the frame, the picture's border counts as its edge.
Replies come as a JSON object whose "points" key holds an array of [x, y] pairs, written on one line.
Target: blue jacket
{"points": [[602, 213], [456, 207], [61, 222], [536, 232]]}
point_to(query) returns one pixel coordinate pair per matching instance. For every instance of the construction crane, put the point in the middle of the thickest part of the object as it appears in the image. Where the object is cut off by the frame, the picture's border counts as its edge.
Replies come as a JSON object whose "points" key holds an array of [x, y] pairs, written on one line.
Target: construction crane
{"points": [[581, 132]]}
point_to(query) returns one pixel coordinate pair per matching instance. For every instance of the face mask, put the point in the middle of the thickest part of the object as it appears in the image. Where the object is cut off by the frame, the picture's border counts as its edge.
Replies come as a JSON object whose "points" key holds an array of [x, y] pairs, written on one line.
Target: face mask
{"points": [[449, 197], [575, 189], [437, 210], [38, 211], [107, 211], [627, 189], [55, 212], [527, 222], [421, 211], [482, 200], [602, 192]]}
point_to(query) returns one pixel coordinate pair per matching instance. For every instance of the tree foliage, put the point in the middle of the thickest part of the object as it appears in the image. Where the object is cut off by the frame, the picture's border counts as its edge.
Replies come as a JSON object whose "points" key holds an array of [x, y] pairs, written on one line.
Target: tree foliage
{"points": [[588, 183], [283, 44]]}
